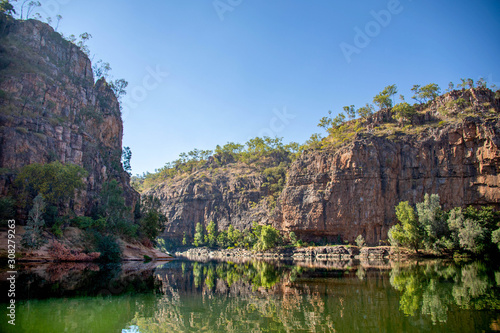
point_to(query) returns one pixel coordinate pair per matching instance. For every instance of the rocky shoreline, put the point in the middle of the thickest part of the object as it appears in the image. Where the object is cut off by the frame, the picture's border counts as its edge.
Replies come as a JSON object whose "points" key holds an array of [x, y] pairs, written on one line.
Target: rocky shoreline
{"points": [[336, 252]]}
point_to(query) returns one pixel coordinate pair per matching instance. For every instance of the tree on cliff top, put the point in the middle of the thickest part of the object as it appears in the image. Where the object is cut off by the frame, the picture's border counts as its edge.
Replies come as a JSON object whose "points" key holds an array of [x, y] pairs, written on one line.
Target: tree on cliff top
{"points": [[6, 7], [383, 100]]}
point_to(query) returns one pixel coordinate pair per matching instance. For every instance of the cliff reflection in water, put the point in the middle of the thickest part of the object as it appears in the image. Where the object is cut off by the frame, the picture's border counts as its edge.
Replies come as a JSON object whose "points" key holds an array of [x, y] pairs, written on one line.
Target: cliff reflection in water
{"points": [[261, 296]]}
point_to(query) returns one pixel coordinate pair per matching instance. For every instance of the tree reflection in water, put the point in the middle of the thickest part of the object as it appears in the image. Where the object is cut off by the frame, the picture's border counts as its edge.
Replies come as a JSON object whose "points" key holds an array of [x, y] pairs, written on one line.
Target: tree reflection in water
{"points": [[258, 296], [433, 287]]}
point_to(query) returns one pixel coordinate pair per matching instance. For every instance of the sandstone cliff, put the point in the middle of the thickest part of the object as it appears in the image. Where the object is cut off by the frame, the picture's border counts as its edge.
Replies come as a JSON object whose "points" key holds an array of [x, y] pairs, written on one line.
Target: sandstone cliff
{"points": [[227, 196], [51, 109], [345, 192], [335, 194]]}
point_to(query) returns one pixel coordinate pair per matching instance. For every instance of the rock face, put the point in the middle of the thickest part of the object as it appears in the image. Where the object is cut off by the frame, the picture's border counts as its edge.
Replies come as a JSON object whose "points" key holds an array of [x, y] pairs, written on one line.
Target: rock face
{"points": [[51, 109], [337, 194], [353, 191], [231, 196]]}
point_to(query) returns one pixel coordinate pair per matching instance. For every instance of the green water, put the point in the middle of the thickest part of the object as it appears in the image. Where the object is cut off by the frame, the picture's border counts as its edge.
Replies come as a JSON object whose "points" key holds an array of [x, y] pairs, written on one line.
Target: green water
{"points": [[183, 296]]}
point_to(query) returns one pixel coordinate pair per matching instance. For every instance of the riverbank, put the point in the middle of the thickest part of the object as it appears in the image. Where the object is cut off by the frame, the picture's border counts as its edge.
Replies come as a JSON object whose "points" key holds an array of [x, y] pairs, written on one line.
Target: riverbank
{"points": [[335, 252], [74, 241]]}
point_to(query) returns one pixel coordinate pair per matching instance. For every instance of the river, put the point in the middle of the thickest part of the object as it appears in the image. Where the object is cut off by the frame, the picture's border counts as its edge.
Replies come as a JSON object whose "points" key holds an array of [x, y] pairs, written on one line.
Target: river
{"points": [[256, 296]]}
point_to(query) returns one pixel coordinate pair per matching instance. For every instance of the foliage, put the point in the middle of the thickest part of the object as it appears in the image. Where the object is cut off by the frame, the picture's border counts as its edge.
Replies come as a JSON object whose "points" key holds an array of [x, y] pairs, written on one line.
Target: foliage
{"points": [[471, 230], [198, 235], [350, 111], [425, 93], [382, 99], [101, 69], [403, 112], [86, 222], [32, 237], [259, 152], [6, 7], [409, 232], [365, 111], [113, 211], [119, 87], [152, 221], [267, 237], [211, 235], [55, 181], [430, 217], [126, 156], [360, 241], [7, 209], [108, 246], [495, 237]]}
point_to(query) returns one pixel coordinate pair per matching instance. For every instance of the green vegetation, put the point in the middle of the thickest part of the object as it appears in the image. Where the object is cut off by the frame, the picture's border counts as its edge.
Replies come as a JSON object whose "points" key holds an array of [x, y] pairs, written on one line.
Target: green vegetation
{"points": [[360, 241], [258, 238], [458, 231], [383, 100], [151, 220], [55, 181], [411, 118], [426, 93], [48, 190], [33, 236], [431, 289], [268, 156], [108, 247], [403, 112]]}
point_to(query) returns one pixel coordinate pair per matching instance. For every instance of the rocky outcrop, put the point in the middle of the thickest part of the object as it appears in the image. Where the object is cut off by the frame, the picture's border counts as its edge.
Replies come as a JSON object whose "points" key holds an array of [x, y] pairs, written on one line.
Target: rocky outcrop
{"points": [[340, 194], [51, 109], [335, 194], [227, 196]]}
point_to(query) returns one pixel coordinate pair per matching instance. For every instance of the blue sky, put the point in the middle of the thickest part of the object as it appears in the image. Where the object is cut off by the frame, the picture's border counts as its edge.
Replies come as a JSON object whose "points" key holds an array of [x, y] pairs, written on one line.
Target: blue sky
{"points": [[229, 70]]}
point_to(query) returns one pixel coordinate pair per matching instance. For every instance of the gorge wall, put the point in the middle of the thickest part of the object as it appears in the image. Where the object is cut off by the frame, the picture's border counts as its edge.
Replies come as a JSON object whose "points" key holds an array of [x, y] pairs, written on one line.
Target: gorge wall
{"points": [[336, 194], [52, 110]]}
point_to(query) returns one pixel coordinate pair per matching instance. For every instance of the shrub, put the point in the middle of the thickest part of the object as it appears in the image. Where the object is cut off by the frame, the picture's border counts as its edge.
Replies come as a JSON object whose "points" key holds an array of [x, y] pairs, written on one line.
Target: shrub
{"points": [[198, 236], [55, 181], [267, 238], [109, 248], [7, 209], [152, 221], [83, 222], [360, 241]]}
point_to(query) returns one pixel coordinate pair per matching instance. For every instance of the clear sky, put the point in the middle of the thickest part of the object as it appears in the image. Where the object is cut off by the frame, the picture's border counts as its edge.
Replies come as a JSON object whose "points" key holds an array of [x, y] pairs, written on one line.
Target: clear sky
{"points": [[229, 70]]}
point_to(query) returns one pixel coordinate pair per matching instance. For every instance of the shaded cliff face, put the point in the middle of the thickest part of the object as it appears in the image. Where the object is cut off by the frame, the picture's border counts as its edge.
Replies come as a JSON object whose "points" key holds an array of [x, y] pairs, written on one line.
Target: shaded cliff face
{"points": [[353, 191], [227, 196], [52, 110]]}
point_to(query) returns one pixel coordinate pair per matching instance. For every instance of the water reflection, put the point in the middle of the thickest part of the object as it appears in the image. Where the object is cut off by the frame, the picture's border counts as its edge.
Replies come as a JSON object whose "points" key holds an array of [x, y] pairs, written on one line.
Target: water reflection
{"points": [[433, 287], [258, 296]]}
